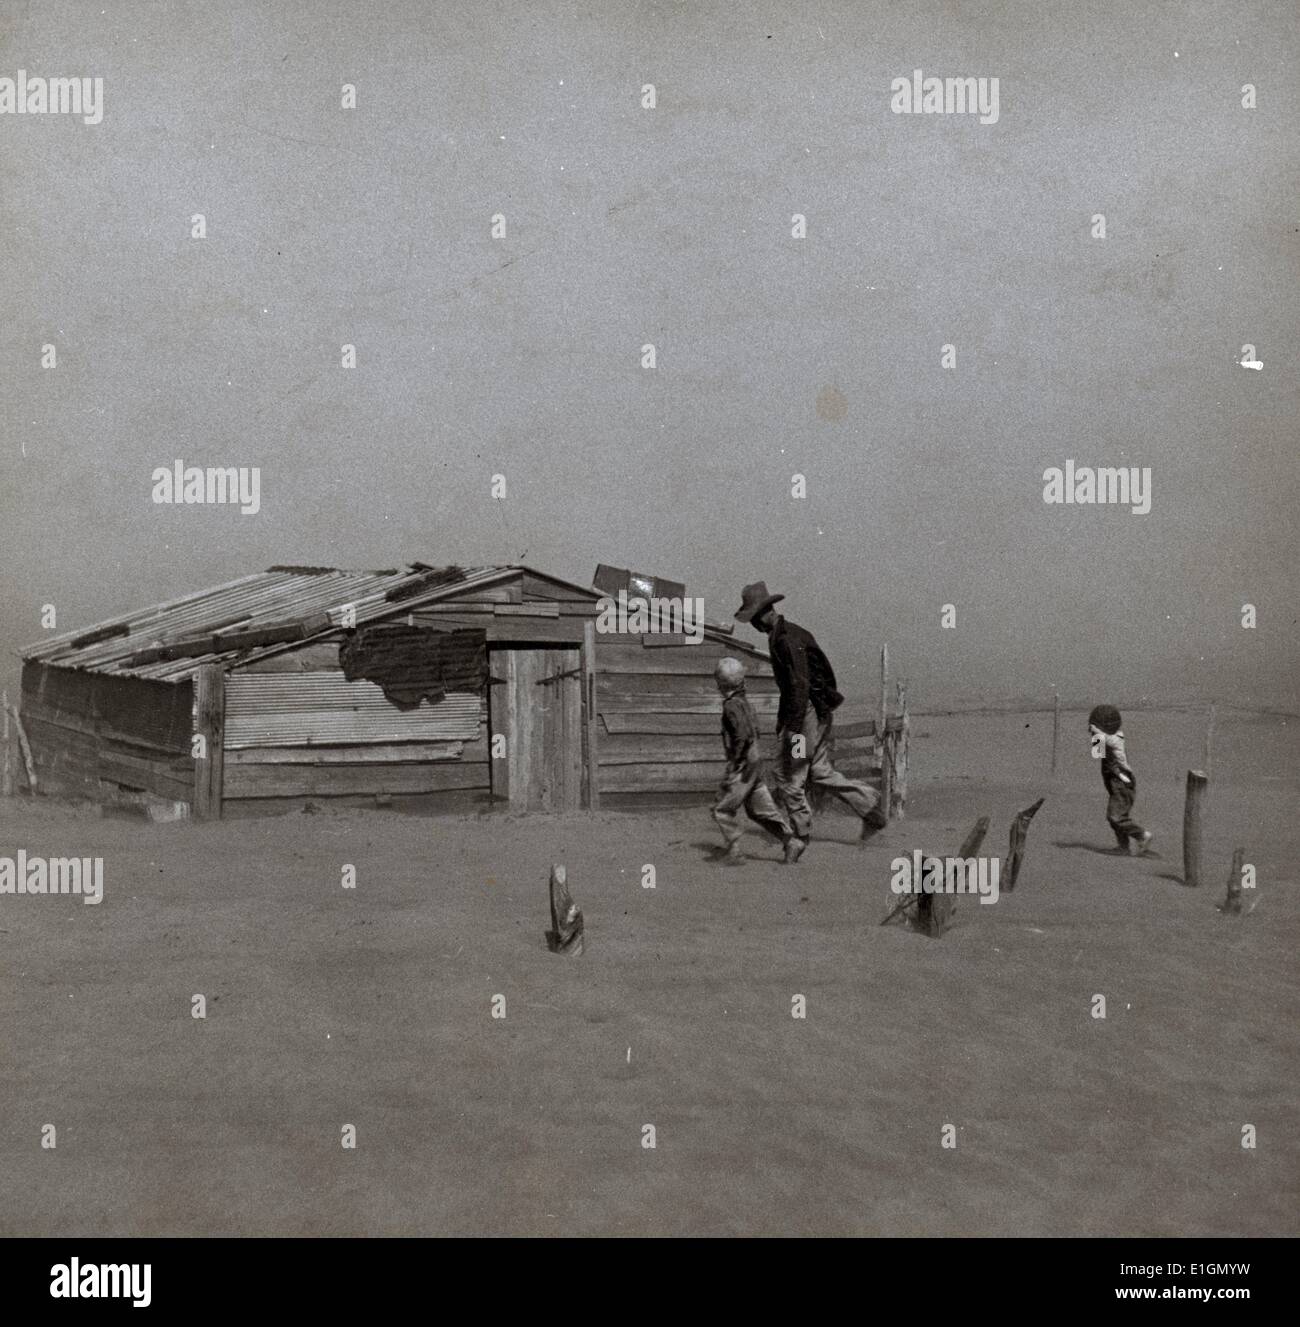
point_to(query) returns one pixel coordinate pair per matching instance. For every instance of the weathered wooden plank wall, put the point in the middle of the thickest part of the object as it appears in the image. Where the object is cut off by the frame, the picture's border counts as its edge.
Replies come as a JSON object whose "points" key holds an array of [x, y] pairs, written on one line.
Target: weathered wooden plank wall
{"points": [[660, 718], [93, 735]]}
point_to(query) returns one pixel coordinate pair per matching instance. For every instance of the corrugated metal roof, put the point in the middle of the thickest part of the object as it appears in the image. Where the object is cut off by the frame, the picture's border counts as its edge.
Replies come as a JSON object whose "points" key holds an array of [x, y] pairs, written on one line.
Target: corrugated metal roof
{"points": [[251, 601], [268, 597]]}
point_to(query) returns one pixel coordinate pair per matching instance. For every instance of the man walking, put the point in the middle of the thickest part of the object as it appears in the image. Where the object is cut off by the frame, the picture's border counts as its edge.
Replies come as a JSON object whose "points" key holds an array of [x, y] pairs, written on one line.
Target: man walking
{"points": [[808, 699]]}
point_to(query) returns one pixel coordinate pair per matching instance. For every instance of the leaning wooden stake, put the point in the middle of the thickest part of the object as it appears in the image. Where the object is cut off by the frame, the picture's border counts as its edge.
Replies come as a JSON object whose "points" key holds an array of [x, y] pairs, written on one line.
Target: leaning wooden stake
{"points": [[934, 911], [1232, 903], [1019, 829], [28, 763], [1192, 827], [565, 935], [907, 902], [1209, 741]]}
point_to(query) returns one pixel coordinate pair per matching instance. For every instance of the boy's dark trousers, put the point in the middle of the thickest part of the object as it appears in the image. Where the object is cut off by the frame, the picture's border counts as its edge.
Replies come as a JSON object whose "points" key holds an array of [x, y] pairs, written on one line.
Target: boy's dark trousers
{"points": [[1119, 807]]}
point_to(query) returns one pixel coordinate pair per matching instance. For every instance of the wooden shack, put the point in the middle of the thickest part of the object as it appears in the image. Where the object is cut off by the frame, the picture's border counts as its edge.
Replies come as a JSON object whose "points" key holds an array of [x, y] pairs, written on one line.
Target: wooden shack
{"points": [[238, 700]]}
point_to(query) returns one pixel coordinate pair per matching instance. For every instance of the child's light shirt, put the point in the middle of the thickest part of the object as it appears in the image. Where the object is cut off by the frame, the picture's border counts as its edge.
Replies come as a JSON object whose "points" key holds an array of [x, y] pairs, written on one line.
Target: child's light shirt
{"points": [[1114, 759]]}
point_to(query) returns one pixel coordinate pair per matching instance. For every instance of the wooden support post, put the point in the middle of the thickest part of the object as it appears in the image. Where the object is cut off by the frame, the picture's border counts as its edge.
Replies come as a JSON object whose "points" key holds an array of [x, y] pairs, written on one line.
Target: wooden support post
{"points": [[29, 765], [1232, 903], [1192, 827], [1209, 741], [884, 684], [7, 777], [210, 724], [590, 720], [1056, 726]]}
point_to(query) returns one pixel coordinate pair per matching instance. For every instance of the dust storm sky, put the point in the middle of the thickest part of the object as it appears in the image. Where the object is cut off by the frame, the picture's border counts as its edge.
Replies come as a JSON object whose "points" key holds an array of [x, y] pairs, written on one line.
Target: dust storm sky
{"points": [[672, 226]]}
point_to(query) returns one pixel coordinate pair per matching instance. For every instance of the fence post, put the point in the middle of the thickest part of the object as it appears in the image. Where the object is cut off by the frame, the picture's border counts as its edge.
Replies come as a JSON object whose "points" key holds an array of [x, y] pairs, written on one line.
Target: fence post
{"points": [[1056, 726], [1192, 827], [901, 745]]}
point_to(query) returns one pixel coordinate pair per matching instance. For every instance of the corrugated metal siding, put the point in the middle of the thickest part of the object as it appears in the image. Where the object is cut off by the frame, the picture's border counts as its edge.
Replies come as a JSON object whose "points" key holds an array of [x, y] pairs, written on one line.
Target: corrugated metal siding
{"points": [[324, 709]]}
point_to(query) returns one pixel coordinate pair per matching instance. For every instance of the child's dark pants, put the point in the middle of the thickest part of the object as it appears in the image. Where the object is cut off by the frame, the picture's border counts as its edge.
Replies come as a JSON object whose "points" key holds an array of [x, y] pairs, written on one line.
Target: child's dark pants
{"points": [[1119, 807]]}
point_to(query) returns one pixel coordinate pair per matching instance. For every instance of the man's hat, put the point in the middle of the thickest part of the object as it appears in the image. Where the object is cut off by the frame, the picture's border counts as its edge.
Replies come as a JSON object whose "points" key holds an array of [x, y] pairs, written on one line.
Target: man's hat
{"points": [[753, 599]]}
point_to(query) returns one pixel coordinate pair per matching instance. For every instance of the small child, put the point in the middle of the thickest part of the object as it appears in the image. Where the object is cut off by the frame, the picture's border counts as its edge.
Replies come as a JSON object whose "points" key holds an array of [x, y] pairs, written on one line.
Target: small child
{"points": [[1106, 735], [742, 785]]}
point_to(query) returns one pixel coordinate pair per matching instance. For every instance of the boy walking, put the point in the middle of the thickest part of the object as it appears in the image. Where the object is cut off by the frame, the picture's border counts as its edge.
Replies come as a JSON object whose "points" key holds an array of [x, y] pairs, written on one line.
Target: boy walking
{"points": [[1106, 734], [742, 785]]}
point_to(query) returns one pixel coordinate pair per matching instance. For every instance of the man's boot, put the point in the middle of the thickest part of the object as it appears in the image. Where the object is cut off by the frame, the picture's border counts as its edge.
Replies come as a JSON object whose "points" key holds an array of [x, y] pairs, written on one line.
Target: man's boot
{"points": [[872, 823]]}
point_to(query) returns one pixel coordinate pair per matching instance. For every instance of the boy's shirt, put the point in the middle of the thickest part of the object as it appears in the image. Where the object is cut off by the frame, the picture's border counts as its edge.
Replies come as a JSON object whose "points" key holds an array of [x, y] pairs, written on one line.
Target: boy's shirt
{"points": [[1114, 760], [739, 732]]}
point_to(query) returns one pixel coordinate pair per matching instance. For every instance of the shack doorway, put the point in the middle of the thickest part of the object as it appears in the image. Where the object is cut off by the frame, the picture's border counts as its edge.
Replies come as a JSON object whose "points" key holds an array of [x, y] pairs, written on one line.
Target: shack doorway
{"points": [[535, 703]]}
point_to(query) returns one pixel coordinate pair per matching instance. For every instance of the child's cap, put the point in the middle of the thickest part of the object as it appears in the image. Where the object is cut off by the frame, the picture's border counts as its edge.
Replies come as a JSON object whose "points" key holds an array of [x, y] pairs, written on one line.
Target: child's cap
{"points": [[730, 672], [1106, 717]]}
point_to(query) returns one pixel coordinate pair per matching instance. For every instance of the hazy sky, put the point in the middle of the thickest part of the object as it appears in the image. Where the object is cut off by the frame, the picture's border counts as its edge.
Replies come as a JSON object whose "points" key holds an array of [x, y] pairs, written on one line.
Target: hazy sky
{"points": [[673, 226]]}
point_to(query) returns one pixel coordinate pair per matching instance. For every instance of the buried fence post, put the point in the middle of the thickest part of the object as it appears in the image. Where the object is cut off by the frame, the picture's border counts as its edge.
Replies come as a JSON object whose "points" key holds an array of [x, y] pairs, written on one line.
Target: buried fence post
{"points": [[1016, 853], [1232, 903], [934, 911], [565, 935], [1192, 827]]}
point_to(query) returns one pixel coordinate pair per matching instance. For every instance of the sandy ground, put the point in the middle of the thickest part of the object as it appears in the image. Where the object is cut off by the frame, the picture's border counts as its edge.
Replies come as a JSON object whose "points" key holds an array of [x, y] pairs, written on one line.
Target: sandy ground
{"points": [[372, 1007]]}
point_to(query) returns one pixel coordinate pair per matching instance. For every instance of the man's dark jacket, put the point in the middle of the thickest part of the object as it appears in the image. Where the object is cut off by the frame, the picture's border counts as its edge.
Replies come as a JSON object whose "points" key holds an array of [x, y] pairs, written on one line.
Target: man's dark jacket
{"points": [[804, 675]]}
